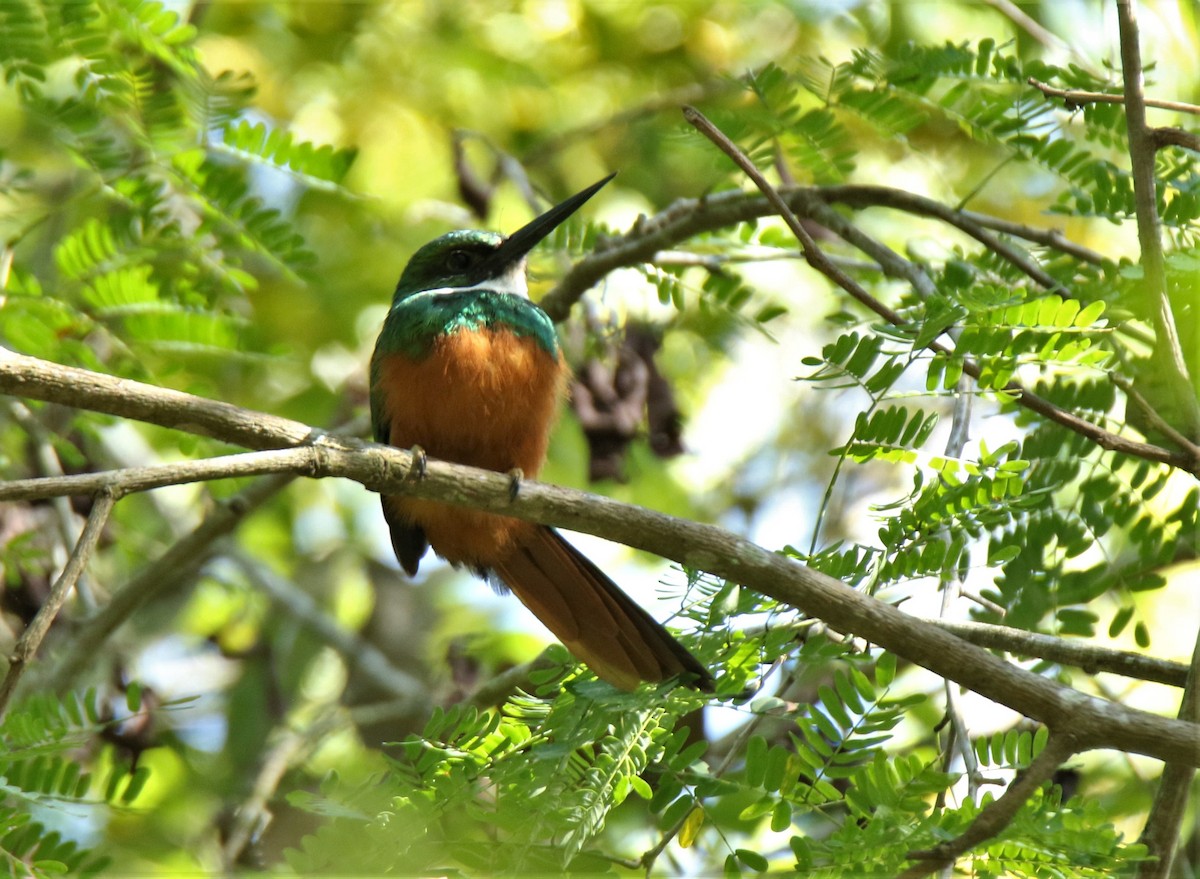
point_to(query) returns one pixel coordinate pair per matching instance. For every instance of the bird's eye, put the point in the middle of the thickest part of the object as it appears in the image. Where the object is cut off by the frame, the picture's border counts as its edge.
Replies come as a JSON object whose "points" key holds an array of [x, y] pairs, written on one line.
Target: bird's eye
{"points": [[459, 260]]}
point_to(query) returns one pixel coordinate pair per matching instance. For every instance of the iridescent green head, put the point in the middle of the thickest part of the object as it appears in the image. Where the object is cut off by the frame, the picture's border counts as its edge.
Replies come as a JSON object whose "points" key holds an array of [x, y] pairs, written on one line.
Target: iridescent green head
{"points": [[468, 259]]}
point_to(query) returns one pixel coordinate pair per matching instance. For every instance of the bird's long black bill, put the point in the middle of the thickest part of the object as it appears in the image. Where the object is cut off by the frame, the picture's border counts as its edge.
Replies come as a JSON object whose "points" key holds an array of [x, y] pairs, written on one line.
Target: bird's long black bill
{"points": [[524, 239]]}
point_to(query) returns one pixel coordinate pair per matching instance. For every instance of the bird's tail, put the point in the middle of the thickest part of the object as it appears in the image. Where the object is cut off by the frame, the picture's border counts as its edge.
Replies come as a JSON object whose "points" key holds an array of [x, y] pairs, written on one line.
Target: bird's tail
{"points": [[589, 613]]}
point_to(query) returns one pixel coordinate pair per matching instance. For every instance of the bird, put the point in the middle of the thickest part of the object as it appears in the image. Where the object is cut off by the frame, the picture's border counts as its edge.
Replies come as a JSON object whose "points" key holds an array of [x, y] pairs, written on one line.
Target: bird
{"points": [[468, 369]]}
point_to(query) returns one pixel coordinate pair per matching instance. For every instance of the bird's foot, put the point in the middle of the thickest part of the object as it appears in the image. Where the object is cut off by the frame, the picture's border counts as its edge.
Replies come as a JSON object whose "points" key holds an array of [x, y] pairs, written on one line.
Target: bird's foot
{"points": [[420, 463], [515, 475]]}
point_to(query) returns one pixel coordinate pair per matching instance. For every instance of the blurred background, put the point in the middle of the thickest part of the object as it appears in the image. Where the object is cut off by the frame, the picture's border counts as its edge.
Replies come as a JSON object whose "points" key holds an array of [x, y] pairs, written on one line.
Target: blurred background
{"points": [[440, 116]]}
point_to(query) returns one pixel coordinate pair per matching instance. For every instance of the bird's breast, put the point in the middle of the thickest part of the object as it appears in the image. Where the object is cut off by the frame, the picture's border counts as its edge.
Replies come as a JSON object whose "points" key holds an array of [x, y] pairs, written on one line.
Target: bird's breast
{"points": [[487, 397]]}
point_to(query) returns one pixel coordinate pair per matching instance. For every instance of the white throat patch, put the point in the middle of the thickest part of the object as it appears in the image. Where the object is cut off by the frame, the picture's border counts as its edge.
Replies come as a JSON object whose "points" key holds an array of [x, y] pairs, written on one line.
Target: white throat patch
{"points": [[511, 282]]}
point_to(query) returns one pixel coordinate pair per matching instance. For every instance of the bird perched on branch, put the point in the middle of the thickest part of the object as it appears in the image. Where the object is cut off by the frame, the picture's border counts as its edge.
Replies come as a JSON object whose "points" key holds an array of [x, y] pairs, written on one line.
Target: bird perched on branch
{"points": [[469, 370]]}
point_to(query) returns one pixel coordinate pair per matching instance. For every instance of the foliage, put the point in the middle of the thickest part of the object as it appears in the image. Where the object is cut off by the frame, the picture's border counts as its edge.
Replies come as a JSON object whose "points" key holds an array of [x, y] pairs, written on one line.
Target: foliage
{"points": [[169, 220]]}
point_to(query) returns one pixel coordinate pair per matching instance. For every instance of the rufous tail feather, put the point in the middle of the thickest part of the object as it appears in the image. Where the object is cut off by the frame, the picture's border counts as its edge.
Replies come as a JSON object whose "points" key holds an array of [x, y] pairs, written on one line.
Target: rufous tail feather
{"points": [[590, 614]]}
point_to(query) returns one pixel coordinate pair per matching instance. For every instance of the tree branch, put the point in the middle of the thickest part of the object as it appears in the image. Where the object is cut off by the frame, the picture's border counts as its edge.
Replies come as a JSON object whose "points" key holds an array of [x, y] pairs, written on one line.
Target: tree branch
{"points": [[817, 259], [1065, 651], [32, 637], [48, 464], [1167, 350], [82, 389], [999, 813], [688, 218], [1077, 98], [174, 570], [1165, 819], [1094, 722]]}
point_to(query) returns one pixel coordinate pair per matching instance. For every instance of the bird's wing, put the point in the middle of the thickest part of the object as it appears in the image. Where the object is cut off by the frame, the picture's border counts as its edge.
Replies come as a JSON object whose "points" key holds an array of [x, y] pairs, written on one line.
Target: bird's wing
{"points": [[408, 539]]}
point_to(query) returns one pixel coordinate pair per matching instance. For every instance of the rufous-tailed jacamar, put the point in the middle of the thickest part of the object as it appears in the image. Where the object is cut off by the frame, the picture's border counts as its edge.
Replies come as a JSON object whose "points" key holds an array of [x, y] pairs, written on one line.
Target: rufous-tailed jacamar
{"points": [[469, 369]]}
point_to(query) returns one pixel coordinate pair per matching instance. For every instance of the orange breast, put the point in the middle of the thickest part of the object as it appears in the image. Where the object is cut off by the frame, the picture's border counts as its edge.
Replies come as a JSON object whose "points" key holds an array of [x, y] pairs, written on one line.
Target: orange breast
{"points": [[487, 398]]}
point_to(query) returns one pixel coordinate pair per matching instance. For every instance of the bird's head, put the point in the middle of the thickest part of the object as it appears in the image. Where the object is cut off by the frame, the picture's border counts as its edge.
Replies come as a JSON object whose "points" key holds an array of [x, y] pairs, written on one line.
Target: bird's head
{"points": [[469, 259]]}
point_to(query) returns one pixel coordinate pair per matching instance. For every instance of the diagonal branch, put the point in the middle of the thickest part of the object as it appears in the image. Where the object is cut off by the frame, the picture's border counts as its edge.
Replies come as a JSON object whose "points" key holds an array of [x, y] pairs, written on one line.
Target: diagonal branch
{"points": [[999, 813], [32, 637], [688, 218], [175, 569], [358, 653], [818, 260], [1094, 723]]}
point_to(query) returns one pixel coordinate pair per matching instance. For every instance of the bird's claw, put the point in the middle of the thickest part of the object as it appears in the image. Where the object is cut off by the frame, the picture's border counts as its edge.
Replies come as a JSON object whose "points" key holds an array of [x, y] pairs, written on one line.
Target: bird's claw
{"points": [[420, 462], [515, 475]]}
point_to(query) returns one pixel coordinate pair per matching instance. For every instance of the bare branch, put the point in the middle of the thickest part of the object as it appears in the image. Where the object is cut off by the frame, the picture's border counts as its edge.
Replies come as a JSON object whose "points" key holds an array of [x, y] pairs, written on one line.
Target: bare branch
{"points": [[83, 389], [1065, 651], [135, 479], [175, 569], [32, 637], [1077, 98]]}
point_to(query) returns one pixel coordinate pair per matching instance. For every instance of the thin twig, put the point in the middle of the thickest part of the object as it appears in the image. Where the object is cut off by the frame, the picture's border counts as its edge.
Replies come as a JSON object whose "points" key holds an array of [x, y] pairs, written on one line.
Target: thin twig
{"points": [[951, 583], [49, 464], [812, 253], [999, 813], [174, 570], [1077, 98], [1091, 658], [1032, 26], [31, 639]]}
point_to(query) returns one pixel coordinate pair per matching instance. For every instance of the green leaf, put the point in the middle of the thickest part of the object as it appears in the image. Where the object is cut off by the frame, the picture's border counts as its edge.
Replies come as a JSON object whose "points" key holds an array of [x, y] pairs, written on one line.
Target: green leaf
{"points": [[753, 860]]}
